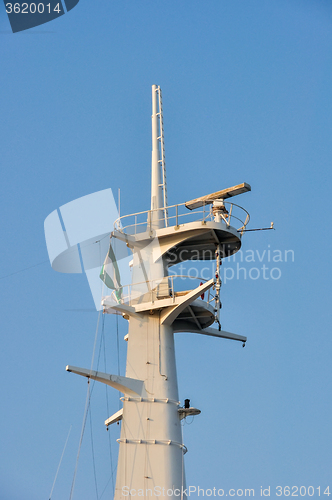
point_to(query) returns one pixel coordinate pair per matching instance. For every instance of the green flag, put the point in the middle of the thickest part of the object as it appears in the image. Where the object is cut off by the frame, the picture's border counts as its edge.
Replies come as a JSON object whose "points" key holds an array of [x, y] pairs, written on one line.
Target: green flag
{"points": [[110, 273]]}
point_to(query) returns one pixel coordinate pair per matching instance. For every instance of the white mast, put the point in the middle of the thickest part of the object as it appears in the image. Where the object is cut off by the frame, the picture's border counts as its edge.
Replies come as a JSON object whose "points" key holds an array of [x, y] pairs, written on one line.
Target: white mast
{"points": [[158, 167], [151, 447], [162, 160]]}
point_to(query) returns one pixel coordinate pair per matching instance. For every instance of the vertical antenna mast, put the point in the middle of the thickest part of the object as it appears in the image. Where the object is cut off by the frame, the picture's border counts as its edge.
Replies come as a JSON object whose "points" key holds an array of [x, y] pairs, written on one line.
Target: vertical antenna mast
{"points": [[162, 160], [158, 177]]}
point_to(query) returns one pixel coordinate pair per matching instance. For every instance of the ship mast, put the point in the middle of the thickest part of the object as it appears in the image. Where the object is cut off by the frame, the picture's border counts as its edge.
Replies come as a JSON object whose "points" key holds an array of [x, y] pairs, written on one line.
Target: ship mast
{"points": [[151, 447]]}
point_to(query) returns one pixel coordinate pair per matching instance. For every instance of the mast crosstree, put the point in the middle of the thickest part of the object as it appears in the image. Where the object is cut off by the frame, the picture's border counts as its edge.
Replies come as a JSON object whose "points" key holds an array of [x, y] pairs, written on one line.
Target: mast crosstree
{"points": [[156, 306]]}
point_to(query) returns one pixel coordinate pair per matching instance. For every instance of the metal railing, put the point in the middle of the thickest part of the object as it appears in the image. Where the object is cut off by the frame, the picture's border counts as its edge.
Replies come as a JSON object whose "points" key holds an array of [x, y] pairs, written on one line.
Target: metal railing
{"points": [[141, 222], [151, 291]]}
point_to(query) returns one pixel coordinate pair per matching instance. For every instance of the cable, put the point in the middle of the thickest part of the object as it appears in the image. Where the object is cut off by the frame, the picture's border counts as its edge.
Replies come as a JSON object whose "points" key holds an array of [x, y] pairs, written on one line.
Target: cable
{"points": [[117, 342], [45, 261], [22, 270], [86, 409], [89, 409], [87, 402], [118, 352], [93, 454], [108, 412], [63, 452], [102, 494]]}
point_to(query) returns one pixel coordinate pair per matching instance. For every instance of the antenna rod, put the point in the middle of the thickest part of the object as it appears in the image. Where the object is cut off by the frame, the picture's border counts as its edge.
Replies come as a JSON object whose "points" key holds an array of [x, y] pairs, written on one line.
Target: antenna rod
{"points": [[156, 192]]}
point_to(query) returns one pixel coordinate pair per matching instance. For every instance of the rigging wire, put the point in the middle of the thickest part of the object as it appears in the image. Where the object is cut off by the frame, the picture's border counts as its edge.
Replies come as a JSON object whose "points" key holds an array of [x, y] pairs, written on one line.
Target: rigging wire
{"points": [[118, 352], [47, 261], [90, 415], [102, 494], [87, 412], [102, 343], [108, 412], [182, 474], [93, 453], [22, 270], [117, 342], [86, 409], [63, 452]]}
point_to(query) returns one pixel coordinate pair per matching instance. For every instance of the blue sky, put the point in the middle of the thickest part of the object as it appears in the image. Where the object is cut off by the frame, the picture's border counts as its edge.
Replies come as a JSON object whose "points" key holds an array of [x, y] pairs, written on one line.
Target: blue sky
{"points": [[247, 98]]}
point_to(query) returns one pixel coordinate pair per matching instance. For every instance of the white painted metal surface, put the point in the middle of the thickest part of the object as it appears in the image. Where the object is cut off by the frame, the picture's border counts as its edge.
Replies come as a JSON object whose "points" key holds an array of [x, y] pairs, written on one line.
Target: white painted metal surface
{"points": [[114, 418], [218, 195], [157, 215], [151, 448]]}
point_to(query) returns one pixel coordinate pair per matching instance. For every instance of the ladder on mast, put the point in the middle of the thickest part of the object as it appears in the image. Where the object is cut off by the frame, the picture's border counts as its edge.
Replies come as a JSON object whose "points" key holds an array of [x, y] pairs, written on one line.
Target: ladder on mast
{"points": [[161, 160]]}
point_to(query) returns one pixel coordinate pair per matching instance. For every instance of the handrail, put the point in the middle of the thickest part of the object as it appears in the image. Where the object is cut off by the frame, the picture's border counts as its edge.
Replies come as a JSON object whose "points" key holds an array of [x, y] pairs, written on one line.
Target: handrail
{"points": [[141, 221], [152, 290]]}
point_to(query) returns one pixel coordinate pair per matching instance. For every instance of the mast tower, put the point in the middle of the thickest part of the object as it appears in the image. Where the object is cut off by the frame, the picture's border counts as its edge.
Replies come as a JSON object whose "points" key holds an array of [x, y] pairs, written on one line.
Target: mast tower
{"points": [[207, 228]]}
